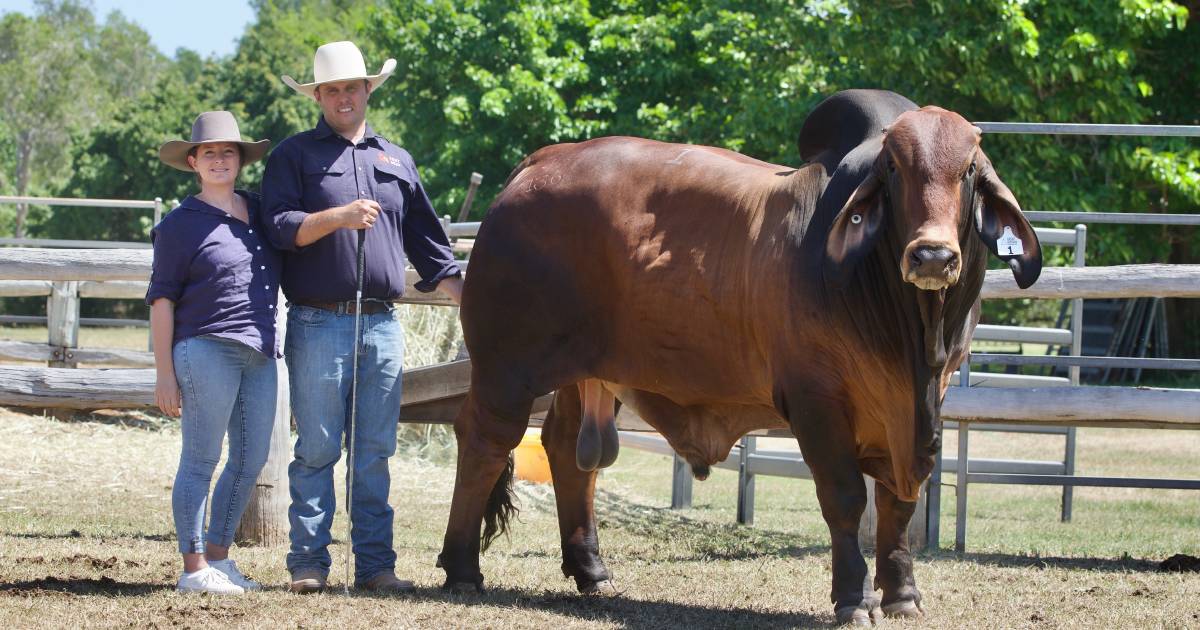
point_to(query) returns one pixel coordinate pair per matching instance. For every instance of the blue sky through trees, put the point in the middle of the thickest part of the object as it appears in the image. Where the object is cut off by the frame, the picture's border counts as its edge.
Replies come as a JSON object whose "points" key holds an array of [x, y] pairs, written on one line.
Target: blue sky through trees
{"points": [[209, 28]]}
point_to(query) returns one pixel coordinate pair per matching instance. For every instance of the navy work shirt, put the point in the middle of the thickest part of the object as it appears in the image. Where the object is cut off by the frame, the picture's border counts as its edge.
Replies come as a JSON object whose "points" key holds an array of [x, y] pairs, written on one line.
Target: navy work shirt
{"points": [[319, 169], [222, 274]]}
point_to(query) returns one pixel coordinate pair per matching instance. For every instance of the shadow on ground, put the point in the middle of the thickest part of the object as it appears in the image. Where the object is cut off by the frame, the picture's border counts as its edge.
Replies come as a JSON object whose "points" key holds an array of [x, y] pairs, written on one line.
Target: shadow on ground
{"points": [[693, 539], [1022, 561], [626, 612], [74, 533], [103, 586]]}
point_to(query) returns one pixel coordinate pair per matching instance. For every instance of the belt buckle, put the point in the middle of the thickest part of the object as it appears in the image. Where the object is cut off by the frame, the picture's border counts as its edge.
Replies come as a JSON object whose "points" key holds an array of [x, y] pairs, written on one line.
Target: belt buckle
{"points": [[345, 308]]}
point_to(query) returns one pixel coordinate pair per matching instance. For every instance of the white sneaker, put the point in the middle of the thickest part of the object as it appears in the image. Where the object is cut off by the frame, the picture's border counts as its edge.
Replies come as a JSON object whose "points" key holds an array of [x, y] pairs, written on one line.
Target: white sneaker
{"points": [[229, 568], [207, 580]]}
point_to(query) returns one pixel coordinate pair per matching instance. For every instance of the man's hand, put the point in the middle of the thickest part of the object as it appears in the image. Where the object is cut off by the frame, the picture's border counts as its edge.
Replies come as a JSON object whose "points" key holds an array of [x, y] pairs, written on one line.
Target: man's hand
{"points": [[452, 287], [359, 214]]}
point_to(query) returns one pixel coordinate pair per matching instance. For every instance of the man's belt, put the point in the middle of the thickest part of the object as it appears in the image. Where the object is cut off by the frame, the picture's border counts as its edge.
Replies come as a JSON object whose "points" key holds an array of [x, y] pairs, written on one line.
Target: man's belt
{"points": [[370, 306]]}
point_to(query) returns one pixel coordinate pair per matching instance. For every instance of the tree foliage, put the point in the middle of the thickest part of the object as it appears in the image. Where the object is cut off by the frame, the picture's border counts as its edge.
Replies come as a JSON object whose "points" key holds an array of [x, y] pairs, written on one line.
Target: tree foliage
{"points": [[62, 74], [482, 83]]}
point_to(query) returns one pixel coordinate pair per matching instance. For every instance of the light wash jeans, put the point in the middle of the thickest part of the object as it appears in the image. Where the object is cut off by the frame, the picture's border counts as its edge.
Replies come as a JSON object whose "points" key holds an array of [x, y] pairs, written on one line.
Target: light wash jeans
{"points": [[226, 386], [319, 355]]}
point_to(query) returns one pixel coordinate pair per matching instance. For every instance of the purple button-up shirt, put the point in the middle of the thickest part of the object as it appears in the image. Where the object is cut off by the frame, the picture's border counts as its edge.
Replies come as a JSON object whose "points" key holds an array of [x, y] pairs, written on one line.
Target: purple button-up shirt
{"points": [[318, 169], [222, 274]]}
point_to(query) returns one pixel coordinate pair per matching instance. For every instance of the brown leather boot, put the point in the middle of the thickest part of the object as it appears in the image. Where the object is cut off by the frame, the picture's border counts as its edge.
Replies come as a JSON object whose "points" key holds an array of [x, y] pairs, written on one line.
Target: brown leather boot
{"points": [[307, 581], [387, 583]]}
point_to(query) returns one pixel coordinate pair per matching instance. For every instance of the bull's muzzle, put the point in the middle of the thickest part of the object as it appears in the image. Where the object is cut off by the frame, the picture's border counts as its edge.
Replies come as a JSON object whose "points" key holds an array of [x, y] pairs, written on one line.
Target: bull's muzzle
{"points": [[931, 267]]}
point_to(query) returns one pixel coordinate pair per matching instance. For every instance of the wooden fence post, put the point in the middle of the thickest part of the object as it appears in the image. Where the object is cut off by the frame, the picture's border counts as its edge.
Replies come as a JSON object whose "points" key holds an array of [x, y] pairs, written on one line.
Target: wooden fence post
{"points": [[62, 321], [265, 520]]}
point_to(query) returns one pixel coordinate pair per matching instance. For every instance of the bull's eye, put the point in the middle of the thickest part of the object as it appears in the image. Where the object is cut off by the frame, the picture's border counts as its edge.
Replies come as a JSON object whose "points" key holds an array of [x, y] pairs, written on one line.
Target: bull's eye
{"points": [[970, 171], [856, 219]]}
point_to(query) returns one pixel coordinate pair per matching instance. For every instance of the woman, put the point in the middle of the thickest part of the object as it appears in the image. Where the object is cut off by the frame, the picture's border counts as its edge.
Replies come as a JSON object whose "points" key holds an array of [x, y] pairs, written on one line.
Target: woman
{"points": [[212, 297]]}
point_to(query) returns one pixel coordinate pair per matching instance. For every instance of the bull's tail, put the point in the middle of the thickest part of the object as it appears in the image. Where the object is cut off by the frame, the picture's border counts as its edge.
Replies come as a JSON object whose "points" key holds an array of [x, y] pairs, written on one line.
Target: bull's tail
{"points": [[500, 507]]}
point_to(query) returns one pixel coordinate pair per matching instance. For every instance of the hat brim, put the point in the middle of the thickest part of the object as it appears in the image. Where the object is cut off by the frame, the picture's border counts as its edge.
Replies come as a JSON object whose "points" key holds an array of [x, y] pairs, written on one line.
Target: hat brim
{"points": [[310, 89], [174, 153]]}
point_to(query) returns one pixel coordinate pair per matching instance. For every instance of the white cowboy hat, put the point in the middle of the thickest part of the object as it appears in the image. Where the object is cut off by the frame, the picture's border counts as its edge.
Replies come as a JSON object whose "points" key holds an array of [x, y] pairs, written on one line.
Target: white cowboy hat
{"points": [[340, 61], [211, 127]]}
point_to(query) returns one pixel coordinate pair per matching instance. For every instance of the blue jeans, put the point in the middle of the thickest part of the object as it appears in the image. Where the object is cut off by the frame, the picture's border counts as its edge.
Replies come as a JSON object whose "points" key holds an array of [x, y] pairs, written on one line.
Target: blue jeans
{"points": [[319, 354], [226, 386]]}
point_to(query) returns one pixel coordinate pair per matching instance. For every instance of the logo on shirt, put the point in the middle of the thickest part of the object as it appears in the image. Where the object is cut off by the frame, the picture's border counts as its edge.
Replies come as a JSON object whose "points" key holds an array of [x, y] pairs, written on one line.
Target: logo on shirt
{"points": [[387, 159]]}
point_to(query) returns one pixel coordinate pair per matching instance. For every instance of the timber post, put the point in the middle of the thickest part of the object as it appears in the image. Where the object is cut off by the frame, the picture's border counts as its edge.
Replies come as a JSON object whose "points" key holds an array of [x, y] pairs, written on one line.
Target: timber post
{"points": [[265, 520], [62, 323]]}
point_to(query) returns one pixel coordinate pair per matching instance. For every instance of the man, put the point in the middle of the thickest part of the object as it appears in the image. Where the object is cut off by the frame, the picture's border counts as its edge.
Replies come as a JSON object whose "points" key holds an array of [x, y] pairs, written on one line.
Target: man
{"points": [[320, 188]]}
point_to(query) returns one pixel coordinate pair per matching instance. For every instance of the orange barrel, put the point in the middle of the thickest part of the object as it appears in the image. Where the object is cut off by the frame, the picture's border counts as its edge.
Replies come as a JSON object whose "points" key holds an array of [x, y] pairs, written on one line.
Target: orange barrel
{"points": [[530, 460]]}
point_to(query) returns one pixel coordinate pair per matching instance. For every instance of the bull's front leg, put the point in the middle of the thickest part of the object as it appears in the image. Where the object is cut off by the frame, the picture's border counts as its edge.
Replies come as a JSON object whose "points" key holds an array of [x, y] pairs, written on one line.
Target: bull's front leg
{"points": [[827, 445], [893, 561], [574, 493]]}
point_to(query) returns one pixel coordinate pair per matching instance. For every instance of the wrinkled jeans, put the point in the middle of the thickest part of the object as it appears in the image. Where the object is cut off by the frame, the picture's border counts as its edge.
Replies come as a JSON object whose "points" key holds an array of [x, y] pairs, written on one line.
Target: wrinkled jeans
{"points": [[319, 355], [226, 387]]}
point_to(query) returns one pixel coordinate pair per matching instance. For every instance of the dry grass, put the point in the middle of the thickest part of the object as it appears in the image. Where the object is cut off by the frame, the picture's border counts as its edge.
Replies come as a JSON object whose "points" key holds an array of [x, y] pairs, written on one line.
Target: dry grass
{"points": [[86, 540]]}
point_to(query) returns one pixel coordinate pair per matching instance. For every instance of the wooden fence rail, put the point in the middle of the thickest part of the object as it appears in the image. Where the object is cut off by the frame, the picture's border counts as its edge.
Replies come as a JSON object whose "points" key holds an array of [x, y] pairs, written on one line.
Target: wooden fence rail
{"points": [[1137, 407], [106, 265]]}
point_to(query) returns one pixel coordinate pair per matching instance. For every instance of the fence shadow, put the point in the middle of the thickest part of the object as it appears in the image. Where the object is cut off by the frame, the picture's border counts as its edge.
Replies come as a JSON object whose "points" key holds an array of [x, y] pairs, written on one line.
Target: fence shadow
{"points": [[74, 533], [103, 586], [1022, 561], [629, 613]]}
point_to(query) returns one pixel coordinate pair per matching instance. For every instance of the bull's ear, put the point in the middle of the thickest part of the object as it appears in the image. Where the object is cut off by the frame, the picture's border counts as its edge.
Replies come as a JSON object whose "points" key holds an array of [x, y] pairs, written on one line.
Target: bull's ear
{"points": [[855, 230], [1004, 230]]}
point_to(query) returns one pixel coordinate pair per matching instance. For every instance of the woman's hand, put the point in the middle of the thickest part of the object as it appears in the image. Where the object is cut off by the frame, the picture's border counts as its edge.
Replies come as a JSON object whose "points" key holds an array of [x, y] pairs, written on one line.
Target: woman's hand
{"points": [[166, 394]]}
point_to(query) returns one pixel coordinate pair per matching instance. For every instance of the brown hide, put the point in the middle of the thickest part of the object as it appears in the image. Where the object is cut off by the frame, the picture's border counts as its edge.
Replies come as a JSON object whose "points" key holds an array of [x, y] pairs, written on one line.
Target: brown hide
{"points": [[685, 279]]}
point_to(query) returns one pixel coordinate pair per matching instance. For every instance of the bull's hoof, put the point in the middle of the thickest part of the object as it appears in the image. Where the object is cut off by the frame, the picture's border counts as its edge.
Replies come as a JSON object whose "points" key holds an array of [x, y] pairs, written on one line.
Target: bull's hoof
{"points": [[603, 588], [853, 616], [463, 588], [904, 609]]}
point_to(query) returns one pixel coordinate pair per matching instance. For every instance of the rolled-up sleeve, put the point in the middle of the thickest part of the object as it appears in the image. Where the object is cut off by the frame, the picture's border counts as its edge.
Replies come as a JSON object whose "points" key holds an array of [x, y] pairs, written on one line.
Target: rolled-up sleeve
{"points": [[425, 242], [282, 188], [169, 271]]}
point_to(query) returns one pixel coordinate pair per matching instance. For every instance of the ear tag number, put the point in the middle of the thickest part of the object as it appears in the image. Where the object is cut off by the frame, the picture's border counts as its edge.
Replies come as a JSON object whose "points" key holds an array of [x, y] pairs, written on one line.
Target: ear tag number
{"points": [[857, 218], [1009, 244]]}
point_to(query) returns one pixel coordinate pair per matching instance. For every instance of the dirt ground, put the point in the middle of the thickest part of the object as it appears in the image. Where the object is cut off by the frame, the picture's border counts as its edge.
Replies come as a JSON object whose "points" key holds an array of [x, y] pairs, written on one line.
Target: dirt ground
{"points": [[86, 540]]}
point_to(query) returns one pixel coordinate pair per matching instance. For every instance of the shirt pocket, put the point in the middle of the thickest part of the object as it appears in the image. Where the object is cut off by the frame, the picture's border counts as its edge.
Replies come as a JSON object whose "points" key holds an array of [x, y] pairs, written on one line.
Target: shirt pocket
{"points": [[392, 187], [326, 184]]}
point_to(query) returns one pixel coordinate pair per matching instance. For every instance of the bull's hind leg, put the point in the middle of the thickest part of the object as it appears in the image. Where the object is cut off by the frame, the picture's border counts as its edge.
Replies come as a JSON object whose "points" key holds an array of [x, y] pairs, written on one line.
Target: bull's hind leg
{"points": [[486, 434], [574, 493], [828, 448], [893, 562]]}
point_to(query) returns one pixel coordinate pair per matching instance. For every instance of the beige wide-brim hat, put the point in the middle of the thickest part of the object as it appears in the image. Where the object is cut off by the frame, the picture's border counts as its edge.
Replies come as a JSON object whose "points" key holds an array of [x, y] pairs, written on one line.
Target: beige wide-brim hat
{"points": [[211, 127], [340, 61]]}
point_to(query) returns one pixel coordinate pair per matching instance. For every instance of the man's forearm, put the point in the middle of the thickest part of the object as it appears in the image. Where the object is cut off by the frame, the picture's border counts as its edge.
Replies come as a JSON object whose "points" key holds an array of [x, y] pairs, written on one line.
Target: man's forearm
{"points": [[318, 225]]}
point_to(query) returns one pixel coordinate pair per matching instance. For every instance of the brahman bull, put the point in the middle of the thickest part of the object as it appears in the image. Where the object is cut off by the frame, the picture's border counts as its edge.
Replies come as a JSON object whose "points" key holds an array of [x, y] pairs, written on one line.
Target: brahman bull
{"points": [[715, 295]]}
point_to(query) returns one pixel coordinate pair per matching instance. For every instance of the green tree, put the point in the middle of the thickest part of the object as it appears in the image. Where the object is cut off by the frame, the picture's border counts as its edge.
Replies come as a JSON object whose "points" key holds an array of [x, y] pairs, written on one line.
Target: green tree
{"points": [[482, 84], [1082, 62], [119, 158], [41, 114], [79, 70]]}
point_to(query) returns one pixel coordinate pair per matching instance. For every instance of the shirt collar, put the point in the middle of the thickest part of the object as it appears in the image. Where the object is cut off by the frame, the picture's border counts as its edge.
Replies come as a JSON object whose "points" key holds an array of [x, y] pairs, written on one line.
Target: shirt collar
{"points": [[323, 130], [196, 205]]}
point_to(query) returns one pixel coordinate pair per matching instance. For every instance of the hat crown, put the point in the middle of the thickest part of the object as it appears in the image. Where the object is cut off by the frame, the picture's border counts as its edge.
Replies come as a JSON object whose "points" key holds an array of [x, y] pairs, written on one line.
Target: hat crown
{"points": [[338, 61], [216, 127]]}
